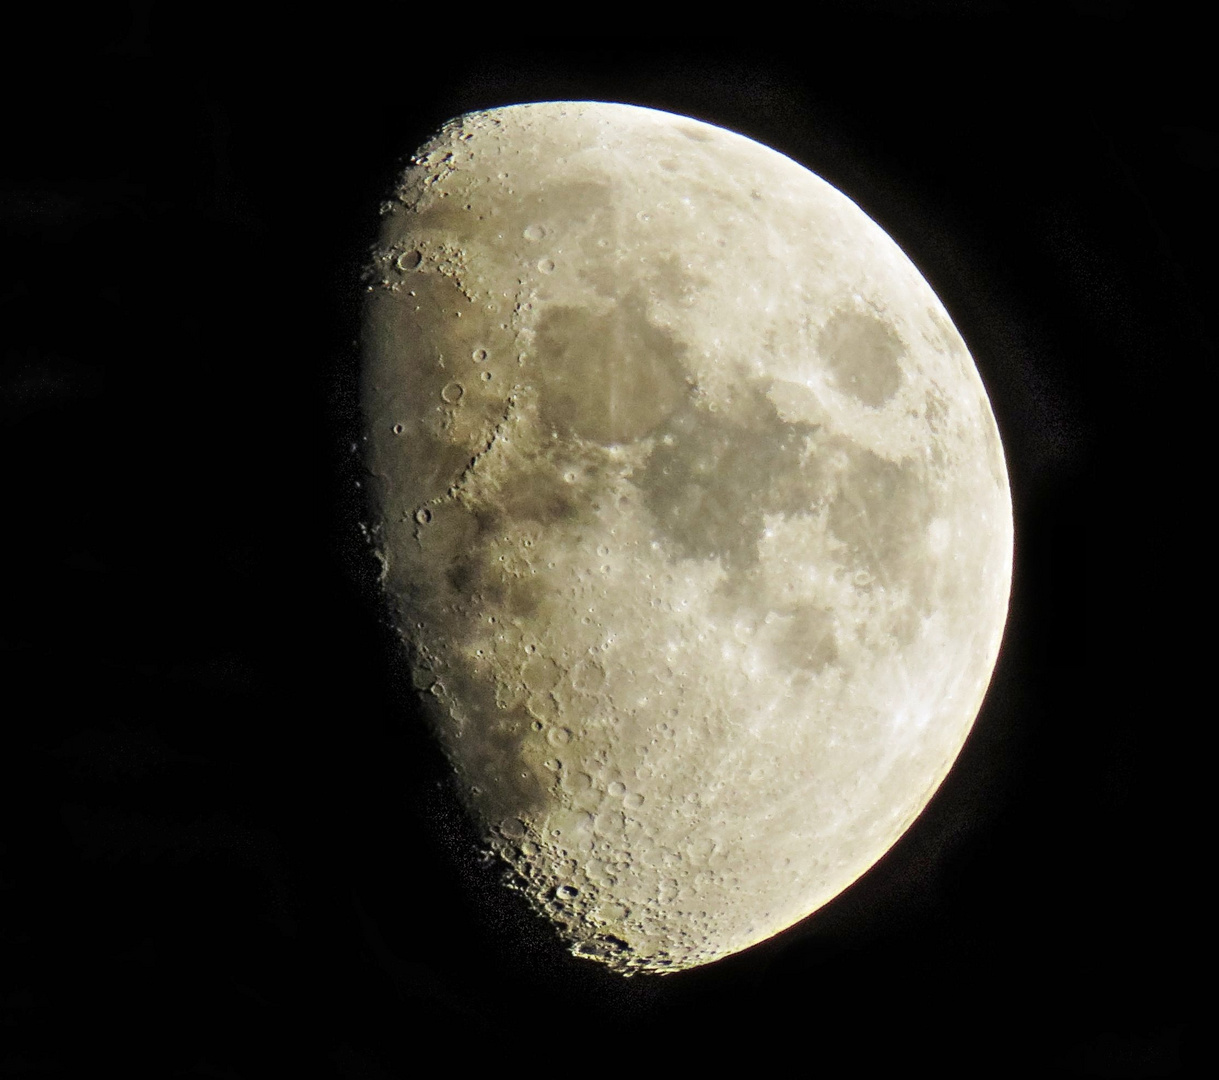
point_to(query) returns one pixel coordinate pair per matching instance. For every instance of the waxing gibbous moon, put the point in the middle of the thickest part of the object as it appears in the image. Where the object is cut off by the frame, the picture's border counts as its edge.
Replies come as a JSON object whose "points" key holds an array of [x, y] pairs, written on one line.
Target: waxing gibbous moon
{"points": [[692, 513]]}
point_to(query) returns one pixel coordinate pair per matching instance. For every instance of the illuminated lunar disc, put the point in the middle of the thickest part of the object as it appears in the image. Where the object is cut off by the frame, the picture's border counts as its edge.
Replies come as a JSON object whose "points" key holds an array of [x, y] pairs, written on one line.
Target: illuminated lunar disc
{"points": [[693, 514]]}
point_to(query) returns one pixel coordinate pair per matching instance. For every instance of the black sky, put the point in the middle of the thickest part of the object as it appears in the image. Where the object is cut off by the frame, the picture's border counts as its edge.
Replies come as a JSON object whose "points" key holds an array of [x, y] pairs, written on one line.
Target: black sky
{"points": [[228, 847]]}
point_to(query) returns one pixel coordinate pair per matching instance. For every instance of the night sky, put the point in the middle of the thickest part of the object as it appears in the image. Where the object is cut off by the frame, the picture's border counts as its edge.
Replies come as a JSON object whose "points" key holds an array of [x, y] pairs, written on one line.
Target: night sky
{"points": [[229, 848]]}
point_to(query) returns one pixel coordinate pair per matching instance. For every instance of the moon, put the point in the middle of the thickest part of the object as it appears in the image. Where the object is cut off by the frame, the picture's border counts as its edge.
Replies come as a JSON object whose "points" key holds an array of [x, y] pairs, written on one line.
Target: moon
{"points": [[692, 515]]}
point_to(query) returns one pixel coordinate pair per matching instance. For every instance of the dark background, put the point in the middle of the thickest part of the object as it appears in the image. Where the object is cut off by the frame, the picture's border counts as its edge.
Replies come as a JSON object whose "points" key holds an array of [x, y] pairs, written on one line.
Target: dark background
{"points": [[227, 847]]}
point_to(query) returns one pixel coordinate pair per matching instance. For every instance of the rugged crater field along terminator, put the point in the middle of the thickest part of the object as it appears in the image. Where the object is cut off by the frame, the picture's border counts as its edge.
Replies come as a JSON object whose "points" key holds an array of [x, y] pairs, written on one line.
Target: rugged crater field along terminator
{"points": [[693, 517]]}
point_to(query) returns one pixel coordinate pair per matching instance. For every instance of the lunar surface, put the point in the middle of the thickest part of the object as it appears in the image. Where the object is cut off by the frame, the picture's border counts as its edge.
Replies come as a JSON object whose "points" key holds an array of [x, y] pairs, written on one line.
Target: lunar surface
{"points": [[692, 513]]}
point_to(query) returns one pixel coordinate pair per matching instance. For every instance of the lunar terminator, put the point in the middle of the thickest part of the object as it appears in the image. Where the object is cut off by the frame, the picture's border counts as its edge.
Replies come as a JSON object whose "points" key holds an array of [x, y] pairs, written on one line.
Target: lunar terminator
{"points": [[693, 515]]}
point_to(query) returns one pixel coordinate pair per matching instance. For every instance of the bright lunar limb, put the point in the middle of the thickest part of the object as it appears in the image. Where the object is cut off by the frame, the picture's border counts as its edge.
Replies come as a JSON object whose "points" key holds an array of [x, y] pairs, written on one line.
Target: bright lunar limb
{"points": [[693, 514]]}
